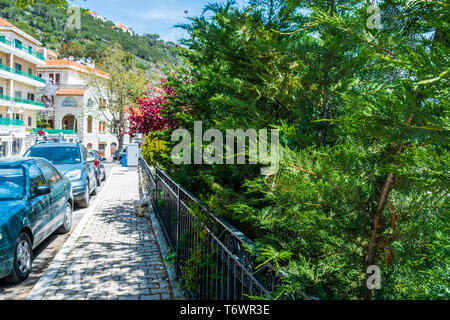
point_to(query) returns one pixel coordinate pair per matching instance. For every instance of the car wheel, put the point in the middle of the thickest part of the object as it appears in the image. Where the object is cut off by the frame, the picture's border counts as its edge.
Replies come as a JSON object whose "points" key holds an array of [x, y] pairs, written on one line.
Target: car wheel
{"points": [[95, 191], [104, 176], [84, 203], [99, 181], [23, 259], [67, 224]]}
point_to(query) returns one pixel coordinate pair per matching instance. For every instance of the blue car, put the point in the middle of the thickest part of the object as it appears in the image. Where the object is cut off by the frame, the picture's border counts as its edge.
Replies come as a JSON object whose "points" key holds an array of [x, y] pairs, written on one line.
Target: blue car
{"points": [[35, 201], [73, 161]]}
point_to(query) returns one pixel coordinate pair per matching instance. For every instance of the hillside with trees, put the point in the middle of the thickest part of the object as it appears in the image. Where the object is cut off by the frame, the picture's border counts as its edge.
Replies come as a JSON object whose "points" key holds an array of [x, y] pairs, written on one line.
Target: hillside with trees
{"points": [[47, 23]]}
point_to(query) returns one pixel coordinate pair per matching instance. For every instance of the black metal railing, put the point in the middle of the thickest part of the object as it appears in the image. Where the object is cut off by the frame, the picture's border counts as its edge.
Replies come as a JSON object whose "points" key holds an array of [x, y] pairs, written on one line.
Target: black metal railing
{"points": [[211, 259]]}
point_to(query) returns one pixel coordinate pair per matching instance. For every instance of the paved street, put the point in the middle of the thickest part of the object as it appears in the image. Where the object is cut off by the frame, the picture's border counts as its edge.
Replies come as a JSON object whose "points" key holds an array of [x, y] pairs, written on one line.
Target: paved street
{"points": [[113, 255]]}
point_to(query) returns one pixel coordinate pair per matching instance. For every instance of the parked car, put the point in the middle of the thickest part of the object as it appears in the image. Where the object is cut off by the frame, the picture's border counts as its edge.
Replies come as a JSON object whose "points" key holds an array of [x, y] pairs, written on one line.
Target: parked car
{"points": [[73, 161], [35, 201], [99, 167]]}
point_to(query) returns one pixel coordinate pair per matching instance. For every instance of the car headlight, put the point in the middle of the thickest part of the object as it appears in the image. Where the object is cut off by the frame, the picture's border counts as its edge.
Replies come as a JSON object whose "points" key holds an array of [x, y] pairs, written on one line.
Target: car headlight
{"points": [[74, 175]]}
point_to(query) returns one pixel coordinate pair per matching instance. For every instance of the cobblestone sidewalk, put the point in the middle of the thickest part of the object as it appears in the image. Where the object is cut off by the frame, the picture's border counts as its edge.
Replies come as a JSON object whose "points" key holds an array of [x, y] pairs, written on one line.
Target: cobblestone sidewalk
{"points": [[116, 255]]}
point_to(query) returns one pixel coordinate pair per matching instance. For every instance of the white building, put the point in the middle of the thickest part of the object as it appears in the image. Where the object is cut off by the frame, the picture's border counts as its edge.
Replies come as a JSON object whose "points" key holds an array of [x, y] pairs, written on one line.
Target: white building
{"points": [[19, 61], [96, 16], [123, 28], [75, 104]]}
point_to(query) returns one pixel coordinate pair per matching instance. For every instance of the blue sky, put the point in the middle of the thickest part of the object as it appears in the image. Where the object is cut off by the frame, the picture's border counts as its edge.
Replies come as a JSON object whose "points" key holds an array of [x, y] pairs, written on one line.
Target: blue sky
{"points": [[149, 16]]}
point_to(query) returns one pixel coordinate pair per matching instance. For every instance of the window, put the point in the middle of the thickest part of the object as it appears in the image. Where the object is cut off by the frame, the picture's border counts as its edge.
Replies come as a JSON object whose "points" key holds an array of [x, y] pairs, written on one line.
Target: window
{"points": [[18, 94], [90, 103], [18, 43], [50, 174], [56, 154], [12, 183], [89, 128], [57, 78], [40, 75], [36, 179], [101, 126], [1, 90], [69, 102], [1, 61], [30, 71], [18, 66], [51, 77], [30, 121], [30, 96]]}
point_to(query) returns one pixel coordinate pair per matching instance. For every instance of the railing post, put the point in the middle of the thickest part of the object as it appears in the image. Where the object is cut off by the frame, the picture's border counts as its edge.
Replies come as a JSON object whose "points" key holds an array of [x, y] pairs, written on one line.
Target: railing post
{"points": [[177, 247], [156, 189]]}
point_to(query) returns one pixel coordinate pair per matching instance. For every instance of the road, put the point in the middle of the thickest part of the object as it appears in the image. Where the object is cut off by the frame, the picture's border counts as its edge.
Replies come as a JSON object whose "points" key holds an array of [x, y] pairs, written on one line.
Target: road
{"points": [[44, 254]]}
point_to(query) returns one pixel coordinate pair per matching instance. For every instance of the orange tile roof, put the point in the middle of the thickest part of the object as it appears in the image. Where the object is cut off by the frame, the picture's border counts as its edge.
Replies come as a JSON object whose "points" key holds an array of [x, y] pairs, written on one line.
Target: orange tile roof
{"points": [[62, 62], [6, 23], [71, 92]]}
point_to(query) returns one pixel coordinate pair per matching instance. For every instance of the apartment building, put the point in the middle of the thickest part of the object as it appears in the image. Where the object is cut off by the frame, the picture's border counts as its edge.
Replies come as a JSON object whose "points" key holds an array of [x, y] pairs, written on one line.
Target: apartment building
{"points": [[74, 103], [19, 82]]}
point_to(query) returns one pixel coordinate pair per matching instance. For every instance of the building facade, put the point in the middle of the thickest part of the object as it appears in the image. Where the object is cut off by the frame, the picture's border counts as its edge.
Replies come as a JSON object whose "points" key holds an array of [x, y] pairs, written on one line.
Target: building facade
{"points": [[123, 28], [19, 61], [75, 105]]}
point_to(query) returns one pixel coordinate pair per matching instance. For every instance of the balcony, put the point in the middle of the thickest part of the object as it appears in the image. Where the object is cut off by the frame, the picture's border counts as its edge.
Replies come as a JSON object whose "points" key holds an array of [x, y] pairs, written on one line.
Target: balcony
{"points": [[9, 122], [20, 50], [24, 74], [28, 50], [6, 41], [8, 69], [19, 100], [29, 75], [7, 98]]}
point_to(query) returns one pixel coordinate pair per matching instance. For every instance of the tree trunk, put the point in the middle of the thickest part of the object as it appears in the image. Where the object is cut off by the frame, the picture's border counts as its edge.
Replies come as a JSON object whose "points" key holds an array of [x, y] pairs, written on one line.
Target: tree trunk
{"points": [[376, 220]]}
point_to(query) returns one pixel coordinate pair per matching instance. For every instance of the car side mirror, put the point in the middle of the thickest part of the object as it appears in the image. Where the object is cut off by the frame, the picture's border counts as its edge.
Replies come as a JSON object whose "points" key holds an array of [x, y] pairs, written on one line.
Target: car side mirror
{"points": [[103, 159], [42, 190]]}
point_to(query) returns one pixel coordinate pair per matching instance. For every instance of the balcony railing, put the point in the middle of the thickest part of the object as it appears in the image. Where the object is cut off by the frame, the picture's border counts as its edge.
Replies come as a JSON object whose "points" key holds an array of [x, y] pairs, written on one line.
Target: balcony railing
{"points": [[34, 103], [29, 51], [54, 131], [20, 47], [3, 67], [4, 97], [22, 73], [29, 75], [8, 122], [4, 40]]}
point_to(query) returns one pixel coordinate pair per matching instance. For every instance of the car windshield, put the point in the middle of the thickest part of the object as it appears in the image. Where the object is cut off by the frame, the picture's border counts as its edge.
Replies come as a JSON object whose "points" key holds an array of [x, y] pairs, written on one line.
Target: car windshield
{"points": [[12, 183], [56, 155]]}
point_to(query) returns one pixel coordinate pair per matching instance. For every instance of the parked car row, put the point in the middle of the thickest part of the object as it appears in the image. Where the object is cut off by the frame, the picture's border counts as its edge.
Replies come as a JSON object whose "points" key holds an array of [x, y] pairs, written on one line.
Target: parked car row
{"points": [[37, 196]]}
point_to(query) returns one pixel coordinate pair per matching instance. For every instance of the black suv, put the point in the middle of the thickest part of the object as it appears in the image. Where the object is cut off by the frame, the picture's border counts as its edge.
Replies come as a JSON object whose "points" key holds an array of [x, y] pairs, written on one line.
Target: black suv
{"points": [[73, 161]]}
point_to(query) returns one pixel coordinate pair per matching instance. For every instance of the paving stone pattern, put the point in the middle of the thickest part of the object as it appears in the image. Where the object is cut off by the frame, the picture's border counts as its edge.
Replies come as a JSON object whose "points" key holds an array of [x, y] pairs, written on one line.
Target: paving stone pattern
{"points": [[116, 255]]}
